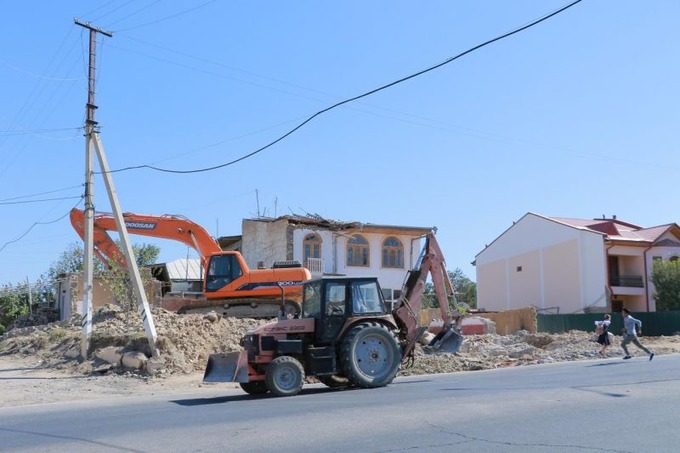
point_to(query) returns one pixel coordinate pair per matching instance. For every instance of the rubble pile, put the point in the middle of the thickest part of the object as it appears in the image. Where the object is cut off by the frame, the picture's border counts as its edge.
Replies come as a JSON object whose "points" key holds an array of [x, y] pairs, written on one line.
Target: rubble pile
{"points": [[119, 345]]}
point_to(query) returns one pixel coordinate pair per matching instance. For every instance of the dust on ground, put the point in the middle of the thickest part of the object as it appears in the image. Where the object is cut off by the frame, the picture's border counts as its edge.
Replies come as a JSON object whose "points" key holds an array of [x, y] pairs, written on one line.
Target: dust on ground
{"points": [[42, 364]]}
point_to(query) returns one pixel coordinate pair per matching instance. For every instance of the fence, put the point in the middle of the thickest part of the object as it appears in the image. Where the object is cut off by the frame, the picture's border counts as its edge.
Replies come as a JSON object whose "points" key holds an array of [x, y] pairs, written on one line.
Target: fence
{"points": [[653, 324]]}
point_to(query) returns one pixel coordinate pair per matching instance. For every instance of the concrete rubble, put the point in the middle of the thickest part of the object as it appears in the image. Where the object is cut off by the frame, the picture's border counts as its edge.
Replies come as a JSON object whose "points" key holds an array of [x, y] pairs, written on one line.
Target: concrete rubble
{"points": [[119, 345]]}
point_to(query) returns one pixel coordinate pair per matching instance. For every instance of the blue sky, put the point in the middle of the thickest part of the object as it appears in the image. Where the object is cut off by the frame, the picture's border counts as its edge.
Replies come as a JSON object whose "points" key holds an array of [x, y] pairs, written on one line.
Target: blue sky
{"points": [[575, 117]]}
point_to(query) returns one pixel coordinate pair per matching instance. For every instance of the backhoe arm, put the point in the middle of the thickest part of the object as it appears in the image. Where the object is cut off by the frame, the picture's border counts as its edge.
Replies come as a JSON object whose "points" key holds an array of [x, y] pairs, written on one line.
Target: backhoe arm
{"points": [[407, 313]]}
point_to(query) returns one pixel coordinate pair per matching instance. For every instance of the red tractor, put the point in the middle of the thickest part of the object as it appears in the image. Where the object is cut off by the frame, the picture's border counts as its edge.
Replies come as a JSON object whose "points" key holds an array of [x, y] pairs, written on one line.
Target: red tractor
{"points": [[345, 336]]}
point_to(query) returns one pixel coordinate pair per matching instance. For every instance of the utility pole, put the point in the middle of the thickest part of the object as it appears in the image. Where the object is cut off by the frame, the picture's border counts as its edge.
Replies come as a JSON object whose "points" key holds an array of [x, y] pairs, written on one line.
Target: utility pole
{"points": [[92, 143]]}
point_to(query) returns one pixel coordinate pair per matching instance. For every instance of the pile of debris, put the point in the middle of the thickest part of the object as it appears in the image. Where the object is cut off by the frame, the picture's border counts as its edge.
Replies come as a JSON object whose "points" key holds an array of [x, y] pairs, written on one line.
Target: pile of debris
{"points": [[119, 345]]}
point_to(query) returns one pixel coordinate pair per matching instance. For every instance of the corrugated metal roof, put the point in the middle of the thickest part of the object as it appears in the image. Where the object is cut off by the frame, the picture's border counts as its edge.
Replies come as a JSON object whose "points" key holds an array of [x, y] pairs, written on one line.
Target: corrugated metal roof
{"points": [[184, 269]]}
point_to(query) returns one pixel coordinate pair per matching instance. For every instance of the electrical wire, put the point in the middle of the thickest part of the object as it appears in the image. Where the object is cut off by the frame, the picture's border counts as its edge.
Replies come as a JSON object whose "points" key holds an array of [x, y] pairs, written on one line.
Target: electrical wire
{"points": [[39, 201], [134, 13], [41, 193], [8, 133], [38, 223], [181, 13], [355, 98], [38, 76]]}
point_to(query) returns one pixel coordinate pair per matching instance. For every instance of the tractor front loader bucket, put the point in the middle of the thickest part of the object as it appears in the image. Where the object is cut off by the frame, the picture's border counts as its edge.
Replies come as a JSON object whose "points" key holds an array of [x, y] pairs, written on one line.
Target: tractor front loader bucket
{"points": [[229, 367], [448, 340]]}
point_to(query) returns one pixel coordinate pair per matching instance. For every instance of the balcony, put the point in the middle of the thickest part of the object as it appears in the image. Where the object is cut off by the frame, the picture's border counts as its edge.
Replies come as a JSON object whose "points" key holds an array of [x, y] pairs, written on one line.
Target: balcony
{"points": [[627, 281], [315, 266]]}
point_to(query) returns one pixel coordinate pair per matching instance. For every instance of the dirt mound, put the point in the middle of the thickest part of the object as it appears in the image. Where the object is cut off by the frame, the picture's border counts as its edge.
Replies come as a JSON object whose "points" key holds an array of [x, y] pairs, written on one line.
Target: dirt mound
{"points": [[185, 342]]}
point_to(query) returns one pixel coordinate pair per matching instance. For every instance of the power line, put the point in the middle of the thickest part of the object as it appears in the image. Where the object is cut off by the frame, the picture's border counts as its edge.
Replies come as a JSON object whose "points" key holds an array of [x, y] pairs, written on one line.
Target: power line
{"points": [[34, 225], [134, 13], [40, 201], [355, 98], [7, 133], [39, 76], [181, 13], [41, 193]]}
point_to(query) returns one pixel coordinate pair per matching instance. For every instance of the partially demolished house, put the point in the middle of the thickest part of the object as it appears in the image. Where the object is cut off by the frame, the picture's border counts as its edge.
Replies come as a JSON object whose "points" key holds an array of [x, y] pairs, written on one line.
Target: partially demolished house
{"points": [[330, 247]]}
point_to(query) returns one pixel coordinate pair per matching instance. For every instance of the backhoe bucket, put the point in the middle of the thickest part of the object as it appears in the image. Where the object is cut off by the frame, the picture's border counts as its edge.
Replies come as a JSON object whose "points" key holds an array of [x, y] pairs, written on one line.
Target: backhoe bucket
{"points": [[448, 340], [229, 367]]}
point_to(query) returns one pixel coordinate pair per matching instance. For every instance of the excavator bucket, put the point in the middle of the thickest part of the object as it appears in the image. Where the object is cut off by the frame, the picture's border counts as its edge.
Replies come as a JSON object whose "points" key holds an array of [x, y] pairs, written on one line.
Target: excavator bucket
{"points": [[448, 340], [229, 367]]}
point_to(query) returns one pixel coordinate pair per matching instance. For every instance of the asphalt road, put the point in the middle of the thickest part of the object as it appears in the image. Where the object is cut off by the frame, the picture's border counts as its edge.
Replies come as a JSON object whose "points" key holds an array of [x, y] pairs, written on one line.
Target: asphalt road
{"points": [[592, 406]]}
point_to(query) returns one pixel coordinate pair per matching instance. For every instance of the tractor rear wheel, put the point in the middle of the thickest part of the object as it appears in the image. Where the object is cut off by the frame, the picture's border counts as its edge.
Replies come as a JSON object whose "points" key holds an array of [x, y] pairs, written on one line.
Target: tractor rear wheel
{"points": [[254, 387], [284, 376], [370, 355]]}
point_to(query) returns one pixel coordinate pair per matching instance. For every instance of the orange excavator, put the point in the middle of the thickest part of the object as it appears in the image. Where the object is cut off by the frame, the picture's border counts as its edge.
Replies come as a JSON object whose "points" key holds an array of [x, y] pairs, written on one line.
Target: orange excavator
{"points": [[230, 287]]}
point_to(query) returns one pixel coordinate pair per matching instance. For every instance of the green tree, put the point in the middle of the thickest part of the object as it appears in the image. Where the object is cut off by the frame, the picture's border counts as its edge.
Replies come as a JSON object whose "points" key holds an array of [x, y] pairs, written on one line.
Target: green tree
{"points": [[666, 279], [15, 299], [13, 303], [72, 261], [466, 290]]}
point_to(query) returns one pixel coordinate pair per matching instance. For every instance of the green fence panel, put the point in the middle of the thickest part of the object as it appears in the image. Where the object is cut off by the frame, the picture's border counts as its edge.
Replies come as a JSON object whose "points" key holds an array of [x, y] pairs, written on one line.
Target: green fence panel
{"points": [[653, 324]]}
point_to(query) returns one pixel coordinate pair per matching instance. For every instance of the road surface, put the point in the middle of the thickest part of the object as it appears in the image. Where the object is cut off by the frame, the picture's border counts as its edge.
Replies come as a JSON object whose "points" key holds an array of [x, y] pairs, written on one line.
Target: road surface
{"points": [[591, 406]]}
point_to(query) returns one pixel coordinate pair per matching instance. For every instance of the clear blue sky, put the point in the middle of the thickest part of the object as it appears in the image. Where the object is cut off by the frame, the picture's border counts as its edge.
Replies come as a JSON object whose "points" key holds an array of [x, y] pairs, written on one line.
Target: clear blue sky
{"points": [[575, 117]]}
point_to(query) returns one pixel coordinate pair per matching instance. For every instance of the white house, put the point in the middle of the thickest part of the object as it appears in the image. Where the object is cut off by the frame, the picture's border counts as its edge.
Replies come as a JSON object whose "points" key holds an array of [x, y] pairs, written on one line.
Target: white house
{"points": [[180, 275], [328, 247], [573, 265]]}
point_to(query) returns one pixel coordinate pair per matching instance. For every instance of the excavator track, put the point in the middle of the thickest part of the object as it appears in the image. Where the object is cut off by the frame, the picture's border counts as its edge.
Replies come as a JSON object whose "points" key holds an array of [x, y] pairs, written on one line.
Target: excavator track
{"points": [[242, 308]]}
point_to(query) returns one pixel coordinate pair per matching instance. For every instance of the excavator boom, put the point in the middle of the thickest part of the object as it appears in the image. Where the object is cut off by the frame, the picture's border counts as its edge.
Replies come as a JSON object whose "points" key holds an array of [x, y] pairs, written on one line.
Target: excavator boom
{"points": [[173, 227]]}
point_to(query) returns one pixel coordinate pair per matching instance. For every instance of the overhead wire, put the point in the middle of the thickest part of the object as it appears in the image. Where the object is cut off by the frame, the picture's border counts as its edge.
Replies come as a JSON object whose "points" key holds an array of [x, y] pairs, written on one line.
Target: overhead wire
{"points": [[41, 193], [3, 203], [25, 233], [181, 13], [355, 98], [8, 133]]}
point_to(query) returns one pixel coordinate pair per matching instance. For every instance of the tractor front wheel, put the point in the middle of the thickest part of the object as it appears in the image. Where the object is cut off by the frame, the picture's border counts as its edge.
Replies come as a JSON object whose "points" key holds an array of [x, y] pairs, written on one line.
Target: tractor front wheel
{"points": [[284, 376]]}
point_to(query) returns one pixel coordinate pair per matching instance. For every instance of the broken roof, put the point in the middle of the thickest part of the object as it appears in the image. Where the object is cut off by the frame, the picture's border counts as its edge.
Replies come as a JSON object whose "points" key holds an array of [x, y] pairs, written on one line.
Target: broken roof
{"points": [[317, 221]]}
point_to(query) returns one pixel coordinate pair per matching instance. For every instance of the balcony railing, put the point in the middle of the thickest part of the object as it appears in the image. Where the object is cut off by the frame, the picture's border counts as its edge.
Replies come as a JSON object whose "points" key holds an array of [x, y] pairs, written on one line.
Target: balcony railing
{"points": [[630, 281], [315, 266]]}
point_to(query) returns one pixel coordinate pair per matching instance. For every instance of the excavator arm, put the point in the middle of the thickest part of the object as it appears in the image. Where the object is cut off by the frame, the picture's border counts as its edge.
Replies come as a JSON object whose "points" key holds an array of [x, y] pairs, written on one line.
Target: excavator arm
{"points": [[173, 227], [407, 311]]}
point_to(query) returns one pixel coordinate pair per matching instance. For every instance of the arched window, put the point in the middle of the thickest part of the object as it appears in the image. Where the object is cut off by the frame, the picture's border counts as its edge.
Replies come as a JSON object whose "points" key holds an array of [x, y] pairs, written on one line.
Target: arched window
{"points": [[392, 253], [357, 251], [311, 246]]}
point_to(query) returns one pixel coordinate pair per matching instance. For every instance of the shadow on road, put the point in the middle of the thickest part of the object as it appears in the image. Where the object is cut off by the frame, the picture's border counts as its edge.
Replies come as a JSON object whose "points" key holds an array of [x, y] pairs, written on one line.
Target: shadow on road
{"points": [[605, 364]]}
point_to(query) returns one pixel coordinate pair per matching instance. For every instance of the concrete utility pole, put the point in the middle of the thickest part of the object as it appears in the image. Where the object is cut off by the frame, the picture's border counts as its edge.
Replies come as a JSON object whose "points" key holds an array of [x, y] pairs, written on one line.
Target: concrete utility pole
{"points": [[92, 143]]}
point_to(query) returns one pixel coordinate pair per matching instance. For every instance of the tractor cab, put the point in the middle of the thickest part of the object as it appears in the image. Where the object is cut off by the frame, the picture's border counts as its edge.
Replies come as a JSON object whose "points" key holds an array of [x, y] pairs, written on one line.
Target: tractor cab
{"points": [[336, 302]]}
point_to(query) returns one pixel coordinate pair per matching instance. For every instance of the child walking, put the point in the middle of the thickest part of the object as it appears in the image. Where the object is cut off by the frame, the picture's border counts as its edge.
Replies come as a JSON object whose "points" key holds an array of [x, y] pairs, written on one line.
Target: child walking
{"points": [[603, 338]]}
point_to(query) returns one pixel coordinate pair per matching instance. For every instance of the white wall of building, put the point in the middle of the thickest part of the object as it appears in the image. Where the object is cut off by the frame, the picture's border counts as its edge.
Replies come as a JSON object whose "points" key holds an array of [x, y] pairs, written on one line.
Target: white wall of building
{"points": [[542, 263], [263, 241], [334, 254]]}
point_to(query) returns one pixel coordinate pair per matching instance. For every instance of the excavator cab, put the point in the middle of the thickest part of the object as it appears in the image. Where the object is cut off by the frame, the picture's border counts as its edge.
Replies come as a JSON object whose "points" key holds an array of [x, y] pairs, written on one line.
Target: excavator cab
{"points": [[222, 270]]}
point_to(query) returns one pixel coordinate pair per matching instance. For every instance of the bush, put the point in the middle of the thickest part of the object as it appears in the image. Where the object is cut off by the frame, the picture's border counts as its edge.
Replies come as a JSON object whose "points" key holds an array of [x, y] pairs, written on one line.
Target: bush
{"points": [[2, 329]]}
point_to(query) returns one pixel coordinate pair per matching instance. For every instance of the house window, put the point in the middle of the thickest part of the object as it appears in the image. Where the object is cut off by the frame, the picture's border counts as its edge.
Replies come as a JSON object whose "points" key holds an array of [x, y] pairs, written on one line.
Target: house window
{"points": [[392, 253], [311, 247], [519, 268], [657, 258], [673, 258], [357, 251]]}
